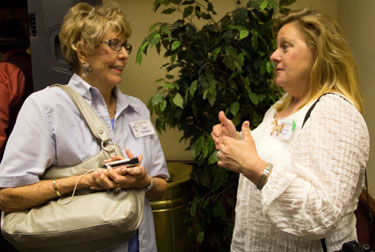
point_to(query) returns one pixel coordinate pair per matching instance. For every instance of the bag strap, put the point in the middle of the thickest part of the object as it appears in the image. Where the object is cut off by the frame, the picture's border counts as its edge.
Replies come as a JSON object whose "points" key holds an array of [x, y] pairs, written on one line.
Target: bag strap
{"points": [[95, 124], [324, 245], [307, 116]]}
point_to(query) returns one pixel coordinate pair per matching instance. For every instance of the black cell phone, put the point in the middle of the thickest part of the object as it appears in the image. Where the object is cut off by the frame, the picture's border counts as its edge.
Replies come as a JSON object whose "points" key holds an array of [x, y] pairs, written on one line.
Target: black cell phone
{"points": [[129, 162]]}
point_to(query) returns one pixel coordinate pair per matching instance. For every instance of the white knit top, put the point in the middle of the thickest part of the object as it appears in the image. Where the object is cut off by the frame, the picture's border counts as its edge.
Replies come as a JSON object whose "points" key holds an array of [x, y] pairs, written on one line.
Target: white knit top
{"points": [[314, 187]]}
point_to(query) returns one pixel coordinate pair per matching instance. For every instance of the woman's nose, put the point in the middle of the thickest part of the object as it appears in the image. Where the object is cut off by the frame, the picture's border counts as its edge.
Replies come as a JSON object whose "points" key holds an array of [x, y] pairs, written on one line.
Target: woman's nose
{"points": [[275, 56], [123, 52]]}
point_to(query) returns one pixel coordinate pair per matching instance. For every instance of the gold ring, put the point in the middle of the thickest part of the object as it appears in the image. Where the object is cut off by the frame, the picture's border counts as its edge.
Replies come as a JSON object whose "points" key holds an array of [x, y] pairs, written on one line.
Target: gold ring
{"points": [[117, 188]]}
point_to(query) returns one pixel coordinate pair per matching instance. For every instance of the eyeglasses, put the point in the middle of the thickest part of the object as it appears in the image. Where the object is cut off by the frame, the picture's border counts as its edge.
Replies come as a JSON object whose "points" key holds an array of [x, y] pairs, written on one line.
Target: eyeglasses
{"points": [[117, 45]]}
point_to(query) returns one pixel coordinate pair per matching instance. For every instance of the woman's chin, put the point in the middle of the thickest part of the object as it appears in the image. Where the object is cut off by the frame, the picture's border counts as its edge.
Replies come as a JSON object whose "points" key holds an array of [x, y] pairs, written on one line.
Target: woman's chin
{"points": [[116, 81], [280, 83]]}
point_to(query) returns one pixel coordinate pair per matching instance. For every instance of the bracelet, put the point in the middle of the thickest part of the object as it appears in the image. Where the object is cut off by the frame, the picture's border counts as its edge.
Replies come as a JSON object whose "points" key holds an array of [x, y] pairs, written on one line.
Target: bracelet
{"points": [[264, 177], [55, 188], [150, 186]]}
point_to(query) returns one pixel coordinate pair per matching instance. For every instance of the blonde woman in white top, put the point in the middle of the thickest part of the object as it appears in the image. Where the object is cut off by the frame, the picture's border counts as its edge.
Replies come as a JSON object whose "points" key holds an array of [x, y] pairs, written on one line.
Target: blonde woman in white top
{"points": [[300, 183]]}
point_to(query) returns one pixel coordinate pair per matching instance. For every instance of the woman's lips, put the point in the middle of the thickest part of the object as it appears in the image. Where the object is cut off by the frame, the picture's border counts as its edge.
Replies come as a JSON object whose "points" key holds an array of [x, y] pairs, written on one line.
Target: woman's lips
{"points": [[119, 69]]}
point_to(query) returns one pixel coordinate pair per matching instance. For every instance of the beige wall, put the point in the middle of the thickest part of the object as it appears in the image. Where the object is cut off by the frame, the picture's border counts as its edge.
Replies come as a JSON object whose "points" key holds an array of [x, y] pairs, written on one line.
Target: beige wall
{"points": [[356, 18], [328, 7]]}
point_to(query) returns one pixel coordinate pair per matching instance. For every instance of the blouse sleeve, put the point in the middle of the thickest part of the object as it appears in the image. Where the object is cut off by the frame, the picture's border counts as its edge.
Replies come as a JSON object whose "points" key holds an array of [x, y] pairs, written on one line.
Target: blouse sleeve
{"points": [[324, 178], [30, 149]]}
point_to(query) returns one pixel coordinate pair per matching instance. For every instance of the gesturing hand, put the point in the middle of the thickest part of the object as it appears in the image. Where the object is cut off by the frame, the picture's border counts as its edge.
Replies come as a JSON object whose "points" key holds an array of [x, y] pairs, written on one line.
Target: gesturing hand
{"points": [[241, 155], [224, 128]]}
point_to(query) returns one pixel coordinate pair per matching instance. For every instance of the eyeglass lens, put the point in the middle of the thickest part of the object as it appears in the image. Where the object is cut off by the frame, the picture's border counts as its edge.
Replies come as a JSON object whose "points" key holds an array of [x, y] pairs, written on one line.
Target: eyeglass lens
{"points": [[116, 45]]}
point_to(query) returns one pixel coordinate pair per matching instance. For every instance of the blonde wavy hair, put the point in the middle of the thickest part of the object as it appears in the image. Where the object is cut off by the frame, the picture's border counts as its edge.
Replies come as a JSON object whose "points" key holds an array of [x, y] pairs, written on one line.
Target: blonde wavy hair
{"points": [[334, 68], [88, 24]]}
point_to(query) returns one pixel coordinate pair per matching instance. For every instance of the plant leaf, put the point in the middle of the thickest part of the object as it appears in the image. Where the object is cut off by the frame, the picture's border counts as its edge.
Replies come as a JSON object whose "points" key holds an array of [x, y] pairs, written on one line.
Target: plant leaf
{"points": [[140, 51], [176, 44], [212, 159], [169, 85], [193, 207], [152, 27], [173, 58], [188, 2], [215, 52], [187, 11], [234, 108], [163, 105], [157, 98], [200, 237], [193, 88], [254, 98], [244, 34], [160, 124], [199, 145], [269, 66], [263, 5], [165, 30], [168, 11], [178, 100], [154, 39]]}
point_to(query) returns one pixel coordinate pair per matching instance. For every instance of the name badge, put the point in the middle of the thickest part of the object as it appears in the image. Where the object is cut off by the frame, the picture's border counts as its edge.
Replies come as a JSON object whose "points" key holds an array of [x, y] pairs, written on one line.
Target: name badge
{"points": [[142, 128], [283, 129]]}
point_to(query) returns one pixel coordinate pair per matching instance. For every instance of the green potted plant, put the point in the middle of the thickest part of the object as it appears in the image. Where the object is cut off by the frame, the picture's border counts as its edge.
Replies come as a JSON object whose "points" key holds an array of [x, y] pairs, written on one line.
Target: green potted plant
{"points": [[221, 65]]}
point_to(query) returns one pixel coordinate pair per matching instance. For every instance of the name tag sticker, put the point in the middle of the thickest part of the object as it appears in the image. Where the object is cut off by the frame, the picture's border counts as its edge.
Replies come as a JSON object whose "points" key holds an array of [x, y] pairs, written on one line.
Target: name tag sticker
{"points": [[142, 128], [287, 128]]}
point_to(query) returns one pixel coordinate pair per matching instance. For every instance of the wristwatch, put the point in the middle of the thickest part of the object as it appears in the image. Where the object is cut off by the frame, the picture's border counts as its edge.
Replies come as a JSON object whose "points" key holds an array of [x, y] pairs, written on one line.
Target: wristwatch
{"points": [[264, 177]]}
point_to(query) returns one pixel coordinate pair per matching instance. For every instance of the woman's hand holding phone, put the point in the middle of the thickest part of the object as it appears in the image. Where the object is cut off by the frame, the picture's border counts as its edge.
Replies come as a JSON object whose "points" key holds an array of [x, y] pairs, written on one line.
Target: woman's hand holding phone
{"points": [[128, 162]]}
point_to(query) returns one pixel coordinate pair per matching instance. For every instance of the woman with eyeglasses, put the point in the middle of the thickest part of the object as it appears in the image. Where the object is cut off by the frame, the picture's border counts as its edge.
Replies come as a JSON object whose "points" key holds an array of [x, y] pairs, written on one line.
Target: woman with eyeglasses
{"points": [[51, 132]]}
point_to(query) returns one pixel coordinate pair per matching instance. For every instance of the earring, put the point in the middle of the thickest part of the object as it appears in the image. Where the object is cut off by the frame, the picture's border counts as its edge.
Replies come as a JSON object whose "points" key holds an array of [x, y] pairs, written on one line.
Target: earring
{"points": [[86, 69]]}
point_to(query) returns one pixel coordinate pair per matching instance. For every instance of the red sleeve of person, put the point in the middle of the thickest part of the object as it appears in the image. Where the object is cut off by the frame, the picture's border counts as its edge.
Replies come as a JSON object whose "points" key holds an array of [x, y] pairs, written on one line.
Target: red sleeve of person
{"points": [[15, 75]]}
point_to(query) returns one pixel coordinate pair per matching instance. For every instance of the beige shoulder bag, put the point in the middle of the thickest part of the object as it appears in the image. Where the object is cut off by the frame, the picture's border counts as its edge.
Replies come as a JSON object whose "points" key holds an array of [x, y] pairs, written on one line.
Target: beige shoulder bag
{"points": [[86, 221]]}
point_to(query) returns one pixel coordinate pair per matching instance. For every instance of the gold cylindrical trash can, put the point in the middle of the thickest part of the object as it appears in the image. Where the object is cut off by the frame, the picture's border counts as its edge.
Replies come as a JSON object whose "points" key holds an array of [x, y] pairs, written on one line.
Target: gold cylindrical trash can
{"points": [[170, 212]]}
